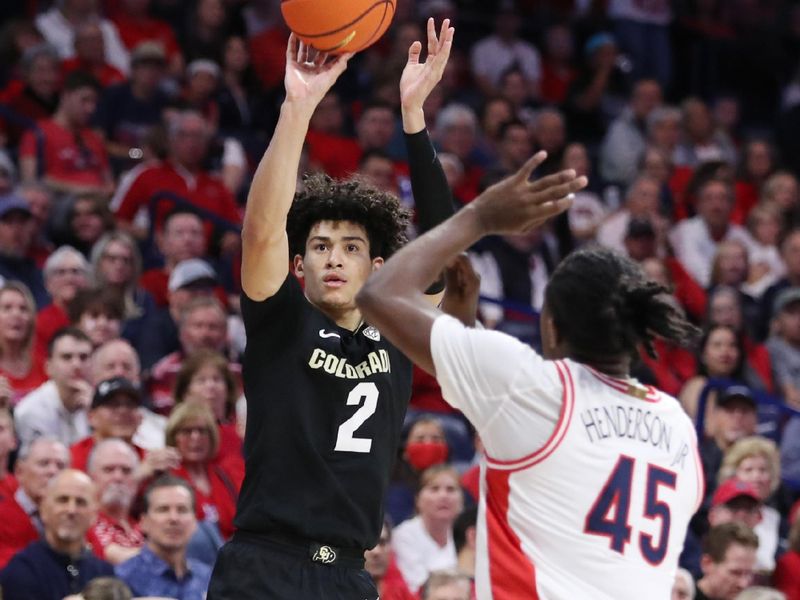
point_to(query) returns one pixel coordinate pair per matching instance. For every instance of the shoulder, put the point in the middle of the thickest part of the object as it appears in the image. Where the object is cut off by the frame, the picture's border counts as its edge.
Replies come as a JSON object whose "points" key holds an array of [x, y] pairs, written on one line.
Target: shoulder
{"points": [[199, 569], [131, 567]]}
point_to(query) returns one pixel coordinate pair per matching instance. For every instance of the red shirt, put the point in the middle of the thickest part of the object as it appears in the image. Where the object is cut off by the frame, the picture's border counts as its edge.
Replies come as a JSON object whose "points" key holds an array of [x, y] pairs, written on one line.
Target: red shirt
{"points": [[270, 48], [201, 189], [107, 530], [8, 485], [133, 31], [106, 74], [49, 320], [156, 281], [787, 575], [393, 586], [65, 158], [219, 505], [426, 395], [338, 156], [21, 101], [673, 367], [36, 376], [16, 528], [80, 452]]}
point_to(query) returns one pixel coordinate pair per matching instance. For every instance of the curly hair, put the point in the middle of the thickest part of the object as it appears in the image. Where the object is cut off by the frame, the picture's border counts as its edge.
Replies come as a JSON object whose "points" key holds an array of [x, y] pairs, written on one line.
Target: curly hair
{"points": [[325, 199], [604, 306]]}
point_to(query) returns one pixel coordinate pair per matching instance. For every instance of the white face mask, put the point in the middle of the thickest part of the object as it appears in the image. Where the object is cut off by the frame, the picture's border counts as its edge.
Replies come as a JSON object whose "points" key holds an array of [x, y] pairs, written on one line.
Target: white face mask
{"points": [[585, 214]]}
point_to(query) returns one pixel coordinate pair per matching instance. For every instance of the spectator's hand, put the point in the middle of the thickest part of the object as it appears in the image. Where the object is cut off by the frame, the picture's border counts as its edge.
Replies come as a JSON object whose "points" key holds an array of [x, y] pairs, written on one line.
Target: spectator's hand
{"points": [[418, 79], [5, 392], [462, 287], [82, 392], [158, 461], [517, 205], [757, 271], [309, 73]]}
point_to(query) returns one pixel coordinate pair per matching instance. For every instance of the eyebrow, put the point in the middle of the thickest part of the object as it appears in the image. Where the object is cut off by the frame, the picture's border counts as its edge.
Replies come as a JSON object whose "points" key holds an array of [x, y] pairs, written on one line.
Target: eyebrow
{"points": [[348, 238]]}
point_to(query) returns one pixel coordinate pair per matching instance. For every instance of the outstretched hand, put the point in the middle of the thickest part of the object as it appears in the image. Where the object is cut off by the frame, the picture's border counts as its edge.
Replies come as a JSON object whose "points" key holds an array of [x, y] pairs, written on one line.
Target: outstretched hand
{"points": [[418, 79], [310, 73], [517, 204]]}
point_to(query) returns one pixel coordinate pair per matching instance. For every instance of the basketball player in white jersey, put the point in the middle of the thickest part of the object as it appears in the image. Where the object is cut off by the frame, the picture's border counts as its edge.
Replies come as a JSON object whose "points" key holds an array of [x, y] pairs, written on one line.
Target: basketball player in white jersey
{"points": [[590, 477]]}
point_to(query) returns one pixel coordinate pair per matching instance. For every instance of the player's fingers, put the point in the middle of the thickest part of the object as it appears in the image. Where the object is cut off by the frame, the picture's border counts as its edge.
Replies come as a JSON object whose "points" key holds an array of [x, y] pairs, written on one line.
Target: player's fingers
{"points": [[555, 179], [432, 41], [443, 34], [414, 51], [556, 192], [291, 48], [530, 165]]}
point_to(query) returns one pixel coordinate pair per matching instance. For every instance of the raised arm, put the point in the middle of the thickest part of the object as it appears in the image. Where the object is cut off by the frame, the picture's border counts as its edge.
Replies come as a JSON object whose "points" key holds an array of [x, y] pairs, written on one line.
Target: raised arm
{"points": [[393, 298], [432, 196], [265, 247]]}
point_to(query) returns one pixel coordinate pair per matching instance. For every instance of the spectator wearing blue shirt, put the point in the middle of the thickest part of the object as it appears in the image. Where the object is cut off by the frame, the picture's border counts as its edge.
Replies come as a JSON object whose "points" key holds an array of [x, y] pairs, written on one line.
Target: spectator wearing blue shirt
{"points": [[59, 564], [161, 568]]}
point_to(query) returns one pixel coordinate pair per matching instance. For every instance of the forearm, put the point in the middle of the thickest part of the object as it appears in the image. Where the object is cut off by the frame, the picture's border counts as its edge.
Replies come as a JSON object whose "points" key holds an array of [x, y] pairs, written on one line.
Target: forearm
{"points": [[432, 197], [275, 179]]}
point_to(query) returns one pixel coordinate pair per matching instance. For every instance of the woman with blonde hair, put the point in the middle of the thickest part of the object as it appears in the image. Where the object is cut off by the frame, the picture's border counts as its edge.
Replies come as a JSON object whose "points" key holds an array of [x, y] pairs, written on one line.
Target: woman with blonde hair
{"points": [[424, 543], [21, 366], [205, 377], [756, 460], [192, 431]]}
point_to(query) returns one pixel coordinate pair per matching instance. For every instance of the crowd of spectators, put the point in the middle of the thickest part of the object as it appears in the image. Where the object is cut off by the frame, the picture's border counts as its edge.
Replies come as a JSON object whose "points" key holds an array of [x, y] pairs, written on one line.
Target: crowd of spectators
{"points": [[129, 132]]}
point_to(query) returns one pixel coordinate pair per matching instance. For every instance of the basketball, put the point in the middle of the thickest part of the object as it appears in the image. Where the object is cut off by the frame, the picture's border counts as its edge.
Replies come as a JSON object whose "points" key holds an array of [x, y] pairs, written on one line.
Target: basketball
{"points": [[338, 26]]}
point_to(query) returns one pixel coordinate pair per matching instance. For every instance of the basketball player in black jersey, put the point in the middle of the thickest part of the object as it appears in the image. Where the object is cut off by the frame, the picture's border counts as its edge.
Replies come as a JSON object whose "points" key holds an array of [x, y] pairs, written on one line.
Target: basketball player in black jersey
{"points": [[326, 392]]}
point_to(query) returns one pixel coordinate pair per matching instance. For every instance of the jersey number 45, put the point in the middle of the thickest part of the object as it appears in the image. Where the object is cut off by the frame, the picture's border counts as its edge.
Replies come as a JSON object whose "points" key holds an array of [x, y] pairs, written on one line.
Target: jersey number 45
{"points": [[610, 513]]}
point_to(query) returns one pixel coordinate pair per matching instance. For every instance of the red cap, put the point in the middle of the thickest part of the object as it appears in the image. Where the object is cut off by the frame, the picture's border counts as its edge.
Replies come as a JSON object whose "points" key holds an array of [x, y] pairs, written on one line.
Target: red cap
{"points": [[733, 488]]}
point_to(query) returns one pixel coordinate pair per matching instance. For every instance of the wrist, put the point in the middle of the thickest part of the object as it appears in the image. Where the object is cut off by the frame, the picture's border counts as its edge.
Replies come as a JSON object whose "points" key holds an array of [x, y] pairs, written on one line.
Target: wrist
{"points": [[298, 109], [413, 118], [476, 222]]}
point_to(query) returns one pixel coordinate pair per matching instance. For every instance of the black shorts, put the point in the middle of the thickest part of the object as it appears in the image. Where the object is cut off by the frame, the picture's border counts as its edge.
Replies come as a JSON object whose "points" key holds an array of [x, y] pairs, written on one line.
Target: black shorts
{"points": [[254, 568]]}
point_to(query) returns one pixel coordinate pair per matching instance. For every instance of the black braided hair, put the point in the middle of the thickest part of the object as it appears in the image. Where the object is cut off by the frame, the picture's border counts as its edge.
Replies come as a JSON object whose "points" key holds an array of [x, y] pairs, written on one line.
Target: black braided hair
{"points": [[325, 199], [604, 306]]}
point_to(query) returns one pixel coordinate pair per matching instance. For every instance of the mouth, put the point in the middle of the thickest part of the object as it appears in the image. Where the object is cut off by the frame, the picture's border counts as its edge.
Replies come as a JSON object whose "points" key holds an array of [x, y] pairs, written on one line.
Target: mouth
{"points": [[333, 280]]}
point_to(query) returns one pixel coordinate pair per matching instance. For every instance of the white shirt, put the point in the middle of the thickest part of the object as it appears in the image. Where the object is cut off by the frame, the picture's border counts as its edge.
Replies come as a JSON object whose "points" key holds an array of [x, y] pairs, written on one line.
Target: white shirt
{"points": [[418, 554], [695, 248], [611, 233], [491, 57], [42, 414], [589, 481], [58, 32], [150, 433], [767, 532]]}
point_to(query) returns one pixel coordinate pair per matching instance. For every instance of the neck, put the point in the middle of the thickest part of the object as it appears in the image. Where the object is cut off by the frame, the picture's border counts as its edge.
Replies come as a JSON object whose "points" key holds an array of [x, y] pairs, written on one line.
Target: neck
{"points": [[704, 586], [466, 561], [174, 557], [437, 529], [614, 366], [347, 318], [118, 512], [67, 397], [3, 466], [71, 548], [14, 358], [61, 118]]}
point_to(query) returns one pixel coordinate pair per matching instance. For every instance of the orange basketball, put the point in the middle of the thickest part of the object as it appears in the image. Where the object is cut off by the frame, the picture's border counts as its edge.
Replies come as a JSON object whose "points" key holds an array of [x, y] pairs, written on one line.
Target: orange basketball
{"points": [[338, 26]]}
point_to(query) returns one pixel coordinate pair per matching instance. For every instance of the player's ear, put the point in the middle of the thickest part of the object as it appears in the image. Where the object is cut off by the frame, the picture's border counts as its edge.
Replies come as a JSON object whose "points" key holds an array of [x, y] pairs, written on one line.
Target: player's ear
{"points": [[298, 266], [377, 263]]}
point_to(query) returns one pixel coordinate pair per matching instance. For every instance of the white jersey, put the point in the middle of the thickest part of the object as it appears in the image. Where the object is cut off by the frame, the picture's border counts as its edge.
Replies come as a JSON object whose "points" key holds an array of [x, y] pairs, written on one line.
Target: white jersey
{"points": [[589, 481]]}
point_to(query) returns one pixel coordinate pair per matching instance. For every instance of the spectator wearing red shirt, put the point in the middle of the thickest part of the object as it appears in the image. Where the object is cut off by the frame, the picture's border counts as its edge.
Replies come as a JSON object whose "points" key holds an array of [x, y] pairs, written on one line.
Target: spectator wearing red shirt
{"points": [[329, 148], [558, 72], [20, 523], [114, 413], [8, 443], [380, 564], [70, 156], [192, 430], [36, 96], [183, 175], [20, 365], [65, 273], [115, 535], [135, 26], [90, 56]]}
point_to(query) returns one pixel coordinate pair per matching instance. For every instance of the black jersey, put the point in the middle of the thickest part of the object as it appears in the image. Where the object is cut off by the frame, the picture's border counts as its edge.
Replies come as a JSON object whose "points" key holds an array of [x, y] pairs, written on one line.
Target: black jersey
{"points": [[325, 407]]}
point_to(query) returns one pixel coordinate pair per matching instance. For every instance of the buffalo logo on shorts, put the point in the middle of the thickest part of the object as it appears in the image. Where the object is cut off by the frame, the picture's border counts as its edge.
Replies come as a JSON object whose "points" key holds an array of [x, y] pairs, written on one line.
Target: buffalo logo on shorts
{"points": [[371, 333], [325, 555]]}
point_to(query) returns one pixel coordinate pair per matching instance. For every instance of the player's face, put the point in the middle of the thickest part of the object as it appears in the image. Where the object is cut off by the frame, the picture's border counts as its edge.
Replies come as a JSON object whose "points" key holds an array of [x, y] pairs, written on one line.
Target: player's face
{"points": [[441, 498], [336, 264], [734, 574]]}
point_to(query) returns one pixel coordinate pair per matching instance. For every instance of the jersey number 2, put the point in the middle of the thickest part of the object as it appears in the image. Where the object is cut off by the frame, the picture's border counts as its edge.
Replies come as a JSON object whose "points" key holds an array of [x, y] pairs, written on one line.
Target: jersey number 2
{"points": [[610, 511], [345, 439]]}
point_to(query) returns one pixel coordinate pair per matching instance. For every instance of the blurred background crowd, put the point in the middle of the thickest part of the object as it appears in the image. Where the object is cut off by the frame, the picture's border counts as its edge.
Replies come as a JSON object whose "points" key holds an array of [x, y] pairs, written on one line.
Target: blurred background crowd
{"points": [[129, 132]]}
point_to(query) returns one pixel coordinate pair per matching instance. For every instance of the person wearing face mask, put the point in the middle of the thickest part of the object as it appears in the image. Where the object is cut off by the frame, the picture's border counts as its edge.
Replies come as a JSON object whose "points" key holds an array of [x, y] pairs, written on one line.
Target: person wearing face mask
{"points": [[425, 446]]}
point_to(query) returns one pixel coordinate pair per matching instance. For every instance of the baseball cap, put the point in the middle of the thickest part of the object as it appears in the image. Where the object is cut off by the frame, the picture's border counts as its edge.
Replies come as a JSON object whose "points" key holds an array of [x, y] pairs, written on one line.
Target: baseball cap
{"points": [[639, 227], [189, 271], [105, 390], [148, 51], [597, 41], [202, 65], [785, 298], [736, 392], [734, 488], [12, 202]]}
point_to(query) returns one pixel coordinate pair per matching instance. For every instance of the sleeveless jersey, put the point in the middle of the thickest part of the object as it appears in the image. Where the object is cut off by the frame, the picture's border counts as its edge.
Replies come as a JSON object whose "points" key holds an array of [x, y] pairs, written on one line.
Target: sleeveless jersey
{"points": [[325, 408], [588, 482]]}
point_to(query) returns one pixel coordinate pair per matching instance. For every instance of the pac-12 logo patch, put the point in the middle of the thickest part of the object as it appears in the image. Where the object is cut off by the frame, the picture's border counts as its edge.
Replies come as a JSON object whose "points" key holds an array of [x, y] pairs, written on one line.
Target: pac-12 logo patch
{"points": [[324, 554], [371, 333]]}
